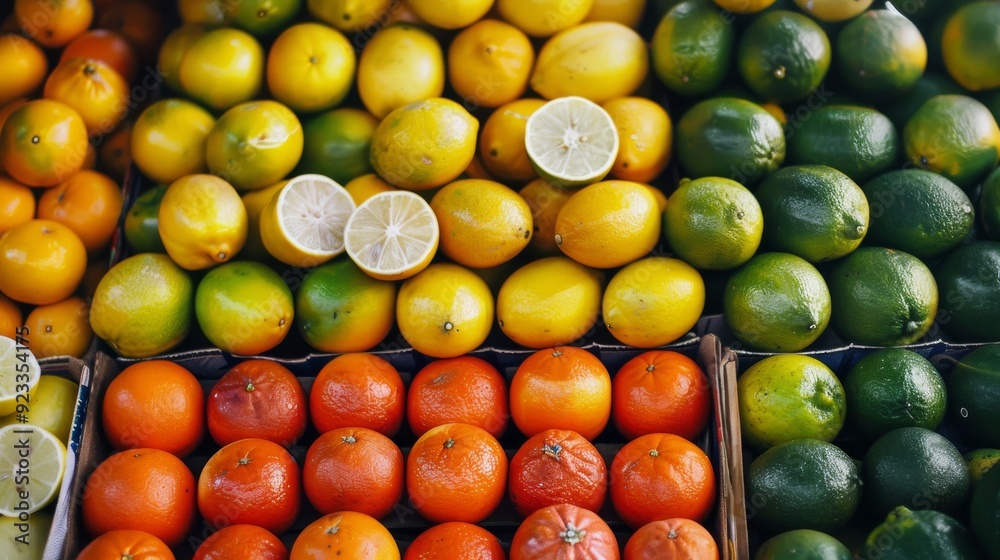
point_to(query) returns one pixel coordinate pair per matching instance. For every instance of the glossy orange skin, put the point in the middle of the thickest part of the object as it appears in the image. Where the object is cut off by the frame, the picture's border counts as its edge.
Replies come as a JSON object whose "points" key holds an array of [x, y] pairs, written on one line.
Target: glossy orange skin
{"points": [[564, 387], [11, 317], [17, 204], [353, 469], [97, 92], [681, 539], [345, 534], [41, 262], [358, 390], [89, 203], [25, 67], [242, 541], [557, 467], [156, 403], [60, 329], [660, 391], [456, 472], [252, 481], [463, 389], [143, 489], [564, 531], [43, 143], [126, 543], [455, 540], [661, 476], [107, 46], [257, 398], [53, 24]]}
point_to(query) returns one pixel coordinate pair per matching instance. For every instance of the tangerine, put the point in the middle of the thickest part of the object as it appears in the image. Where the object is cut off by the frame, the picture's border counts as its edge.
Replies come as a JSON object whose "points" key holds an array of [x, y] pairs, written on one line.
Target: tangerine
{"points": [[463, 389], [660, 391], [563, 531], [557, 467], [241, 541], [257, 398], [357, 390]]}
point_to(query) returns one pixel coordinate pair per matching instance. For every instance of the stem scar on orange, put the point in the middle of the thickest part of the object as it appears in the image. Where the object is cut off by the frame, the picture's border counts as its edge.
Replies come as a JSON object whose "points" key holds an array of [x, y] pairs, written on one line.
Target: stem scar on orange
{"points": [[556, 467], [563, 531]]}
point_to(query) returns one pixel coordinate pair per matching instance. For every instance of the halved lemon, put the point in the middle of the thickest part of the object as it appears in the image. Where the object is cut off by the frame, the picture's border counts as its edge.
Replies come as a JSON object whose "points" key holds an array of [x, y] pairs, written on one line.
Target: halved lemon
{"points": [[393, 235], [19, 373], [32, 462], [303, 224], [571, 141]]}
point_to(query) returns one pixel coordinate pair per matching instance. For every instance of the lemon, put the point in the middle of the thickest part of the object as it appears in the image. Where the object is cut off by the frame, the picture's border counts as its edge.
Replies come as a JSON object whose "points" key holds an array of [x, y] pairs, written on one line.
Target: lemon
{"points": [[222, 67], [34, 461], [833, 10], [303, 224], [444, 311], [392, 235], [541, 18], [425, 144], [483, 223], [653, 302], [744, 6], [625, 12], [20, 371], [545, 201], [202, 221], [401, 64], [12, 536], [644, 133], [608, 224], [168, 139], [489, 63], [450, 14], [52, 404], [352, 15], [143, 305], [364, 187], [599, 60], [501, 144], [172, 52], [549, 302], [310, 67], [255, 201], [571, 141], [254, 144]]}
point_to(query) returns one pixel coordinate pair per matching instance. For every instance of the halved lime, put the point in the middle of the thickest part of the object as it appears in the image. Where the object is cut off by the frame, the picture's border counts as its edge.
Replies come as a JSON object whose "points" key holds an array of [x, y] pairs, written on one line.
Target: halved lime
{"points": [[303, 225], [571, 141], [393, 235], [19, 373], [32, 462]]}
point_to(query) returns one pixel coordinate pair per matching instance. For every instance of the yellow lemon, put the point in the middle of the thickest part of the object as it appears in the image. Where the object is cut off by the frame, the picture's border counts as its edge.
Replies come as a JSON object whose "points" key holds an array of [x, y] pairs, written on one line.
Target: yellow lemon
{"points": [[541, 18], [450, 14], [489, 63], [255, 201], [625, 12], [393, 235], [202, 221], [303, 223], [399, 65], [571, 141], [53, 402], [653, 302], [424, 144], [364, 187], [212, 13], [48, 463], [501, 145], [354, 15], [744, 6], [310, 67], [644, 133], [549, 302], [609, 224], [172, 52], [833, 10], [254, 144], [444, 311], [20, 371], [223, 67], [483, 223], [168, 139], [545, 201]]}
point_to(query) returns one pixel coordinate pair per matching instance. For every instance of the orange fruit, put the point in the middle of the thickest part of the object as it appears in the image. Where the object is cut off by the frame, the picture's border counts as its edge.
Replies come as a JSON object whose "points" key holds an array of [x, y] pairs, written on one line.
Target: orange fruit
{"points": [[97, 92], [566, 388], [142, 489], [11, 318], [563, 531], [89, 203], [455, 540], [345, 534], [17, 204], [251, 481], [557, 467], [114, 152], [156, 404], [41, 262], [241, 541], [456, 472], [25, 67], [353, 468], [463, 389], [126, 543], [60, 329], [43, 143], [678, 538], [107, 46], [357, 390], [140, 22], [257, 398], [9, 108], [661, 476], [660, 391], [53, 24]]}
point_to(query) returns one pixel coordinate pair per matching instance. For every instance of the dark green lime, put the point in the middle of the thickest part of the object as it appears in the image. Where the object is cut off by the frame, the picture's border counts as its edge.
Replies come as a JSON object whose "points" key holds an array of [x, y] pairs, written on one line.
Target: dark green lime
{"points": [[974, 395], [881, 53], [920, 535], [989, 205], [900, 108], [802, 544], [857, 141], [969, 281], [142, 231], [692, 47], [985, 512], [337, 144], [783, 56]]}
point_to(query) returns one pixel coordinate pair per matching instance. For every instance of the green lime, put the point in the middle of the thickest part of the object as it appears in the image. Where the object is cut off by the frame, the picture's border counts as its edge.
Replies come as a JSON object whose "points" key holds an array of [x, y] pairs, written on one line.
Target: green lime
{"points": [[894, 388], [803, 484], [812, 211], [971, 46], [729, 137], [777, 302], [953, 135], [969, 281], [802, 544], [979, 462], [985, 512], [713, 223], [790, 396], [262, 17], [143, 305], [919, 212], [901, 108], [882, 297], [691, 48], [337, 144], [857, 141], [881, 53], [783, 56], [339, 308], [141, 230], [920, 535], [992, 102], [974, 395], [916, 468], [989, 205]]}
